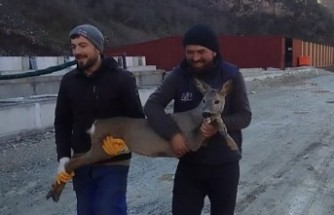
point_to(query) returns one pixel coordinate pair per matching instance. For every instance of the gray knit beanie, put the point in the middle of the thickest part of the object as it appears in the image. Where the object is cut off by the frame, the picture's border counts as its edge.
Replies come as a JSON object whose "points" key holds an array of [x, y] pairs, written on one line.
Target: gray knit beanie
{"points": [[90, 32]]}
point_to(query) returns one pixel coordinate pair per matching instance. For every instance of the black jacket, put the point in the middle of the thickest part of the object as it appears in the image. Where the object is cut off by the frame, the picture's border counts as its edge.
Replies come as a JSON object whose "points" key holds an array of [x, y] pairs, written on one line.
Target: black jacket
{"points": [[179, 86], [109, 92]]}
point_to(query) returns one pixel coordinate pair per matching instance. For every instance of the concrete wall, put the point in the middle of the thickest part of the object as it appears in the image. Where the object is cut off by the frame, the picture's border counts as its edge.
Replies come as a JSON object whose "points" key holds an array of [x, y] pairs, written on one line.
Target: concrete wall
{"points": [[148, 78], [14, 63], [29, 86], [133, 61], [17, 64], [22, 105], [23, 115], [49, 84], [27, 115]]}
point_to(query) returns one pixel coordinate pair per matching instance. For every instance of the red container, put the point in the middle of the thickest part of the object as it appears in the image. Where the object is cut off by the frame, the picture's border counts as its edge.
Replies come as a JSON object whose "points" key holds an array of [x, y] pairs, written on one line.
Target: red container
{"points": [[244, 51]]}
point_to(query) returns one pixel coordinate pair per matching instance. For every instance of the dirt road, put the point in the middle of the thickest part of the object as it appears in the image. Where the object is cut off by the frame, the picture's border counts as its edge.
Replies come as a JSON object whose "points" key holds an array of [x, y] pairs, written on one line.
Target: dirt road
{"points": [[287, 166]]}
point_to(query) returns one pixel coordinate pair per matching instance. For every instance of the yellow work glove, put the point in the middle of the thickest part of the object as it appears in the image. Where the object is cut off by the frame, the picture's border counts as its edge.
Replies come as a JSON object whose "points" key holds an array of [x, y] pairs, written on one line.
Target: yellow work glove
{"points": [[114, 146], [62, 176]]}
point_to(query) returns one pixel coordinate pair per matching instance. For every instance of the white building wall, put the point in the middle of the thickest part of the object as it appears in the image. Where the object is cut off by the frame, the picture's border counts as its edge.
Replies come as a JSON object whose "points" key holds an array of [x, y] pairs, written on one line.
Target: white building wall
{"points": [[45, 62], [11, 63]]}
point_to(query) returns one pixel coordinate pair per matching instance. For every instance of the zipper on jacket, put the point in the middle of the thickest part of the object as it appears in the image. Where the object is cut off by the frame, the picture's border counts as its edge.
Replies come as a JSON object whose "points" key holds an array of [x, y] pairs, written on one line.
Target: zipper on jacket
{"points": [[96, 94], [95, 91]]}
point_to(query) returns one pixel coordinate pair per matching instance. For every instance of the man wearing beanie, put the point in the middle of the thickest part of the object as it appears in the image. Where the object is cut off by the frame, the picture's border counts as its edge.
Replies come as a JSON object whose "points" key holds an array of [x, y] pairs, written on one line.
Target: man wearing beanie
{"points": [[213, 170], [97, 88]]}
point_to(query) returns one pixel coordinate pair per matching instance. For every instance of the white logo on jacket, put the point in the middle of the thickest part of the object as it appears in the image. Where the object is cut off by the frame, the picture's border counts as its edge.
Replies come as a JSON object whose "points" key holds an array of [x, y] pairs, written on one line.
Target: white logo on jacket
{"points": [[187, 96]]}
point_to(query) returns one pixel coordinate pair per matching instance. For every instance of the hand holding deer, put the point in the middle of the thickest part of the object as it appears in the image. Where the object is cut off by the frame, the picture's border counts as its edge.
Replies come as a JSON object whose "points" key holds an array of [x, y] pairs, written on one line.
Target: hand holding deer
{"points": [[179, 145]]}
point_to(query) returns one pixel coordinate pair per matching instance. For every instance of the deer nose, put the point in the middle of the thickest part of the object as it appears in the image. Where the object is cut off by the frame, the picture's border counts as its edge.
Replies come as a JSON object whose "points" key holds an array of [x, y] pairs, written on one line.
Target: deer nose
{"points": [[206, 114]]}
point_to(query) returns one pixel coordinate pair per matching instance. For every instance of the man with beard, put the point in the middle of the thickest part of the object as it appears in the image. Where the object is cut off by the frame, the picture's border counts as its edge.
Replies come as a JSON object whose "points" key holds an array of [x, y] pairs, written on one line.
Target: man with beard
{"points": [[213, 170], [97, 88]]}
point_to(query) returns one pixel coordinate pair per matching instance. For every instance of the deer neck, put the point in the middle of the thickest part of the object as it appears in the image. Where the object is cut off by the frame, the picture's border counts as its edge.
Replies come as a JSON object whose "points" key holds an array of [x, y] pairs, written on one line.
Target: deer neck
{"points": [[196, 114]]}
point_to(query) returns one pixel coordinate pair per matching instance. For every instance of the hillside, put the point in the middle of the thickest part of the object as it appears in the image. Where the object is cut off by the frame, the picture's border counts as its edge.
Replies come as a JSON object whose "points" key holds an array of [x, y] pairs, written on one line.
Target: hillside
{"points": [[34, 27]]}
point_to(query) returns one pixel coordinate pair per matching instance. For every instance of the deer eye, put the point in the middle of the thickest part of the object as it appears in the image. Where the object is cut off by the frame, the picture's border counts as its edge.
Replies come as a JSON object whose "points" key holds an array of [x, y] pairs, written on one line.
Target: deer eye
{"points": [[203, 101], [216, 102]]}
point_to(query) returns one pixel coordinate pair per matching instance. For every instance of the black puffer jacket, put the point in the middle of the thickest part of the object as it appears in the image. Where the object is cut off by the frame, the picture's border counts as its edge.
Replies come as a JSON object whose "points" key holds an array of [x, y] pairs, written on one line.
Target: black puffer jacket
{"points": [[109, 92]]}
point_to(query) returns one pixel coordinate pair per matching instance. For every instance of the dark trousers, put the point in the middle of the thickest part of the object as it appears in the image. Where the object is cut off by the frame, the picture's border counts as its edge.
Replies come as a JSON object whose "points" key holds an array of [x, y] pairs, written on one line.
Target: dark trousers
{"points": [[101, 190], [194, 182]]}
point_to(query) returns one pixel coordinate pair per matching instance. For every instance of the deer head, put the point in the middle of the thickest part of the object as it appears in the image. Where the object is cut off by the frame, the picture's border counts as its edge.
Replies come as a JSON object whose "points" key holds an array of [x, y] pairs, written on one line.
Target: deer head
{"points": [[213, 101]]}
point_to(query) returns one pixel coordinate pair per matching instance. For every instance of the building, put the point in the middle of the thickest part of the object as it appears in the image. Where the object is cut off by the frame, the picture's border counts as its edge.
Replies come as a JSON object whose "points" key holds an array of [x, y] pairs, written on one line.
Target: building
{"points": [[244, 51]]}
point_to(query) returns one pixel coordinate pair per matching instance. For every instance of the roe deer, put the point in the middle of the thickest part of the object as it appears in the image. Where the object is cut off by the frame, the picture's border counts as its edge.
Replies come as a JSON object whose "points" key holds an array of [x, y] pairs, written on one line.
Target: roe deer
{"points": [[140, 138]]}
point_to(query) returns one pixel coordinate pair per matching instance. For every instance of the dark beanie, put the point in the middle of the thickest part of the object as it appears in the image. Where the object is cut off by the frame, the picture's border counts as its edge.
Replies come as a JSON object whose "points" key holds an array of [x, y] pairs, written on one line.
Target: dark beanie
{"points": [[201, 35], [90, 32]]}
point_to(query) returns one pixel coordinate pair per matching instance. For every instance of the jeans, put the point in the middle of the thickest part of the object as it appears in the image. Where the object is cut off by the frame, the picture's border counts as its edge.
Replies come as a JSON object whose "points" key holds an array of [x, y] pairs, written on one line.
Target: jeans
{"points": [[101, 189], [194, 182]]}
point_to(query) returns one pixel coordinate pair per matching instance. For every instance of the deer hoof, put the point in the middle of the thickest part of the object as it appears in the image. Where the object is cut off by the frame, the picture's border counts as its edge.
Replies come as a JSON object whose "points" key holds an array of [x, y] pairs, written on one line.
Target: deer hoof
{"points": [[55, 191]]}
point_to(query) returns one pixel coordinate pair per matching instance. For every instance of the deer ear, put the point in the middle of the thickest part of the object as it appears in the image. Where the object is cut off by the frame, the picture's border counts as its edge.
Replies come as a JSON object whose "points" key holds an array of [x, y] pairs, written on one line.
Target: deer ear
{"points": [[227, 87], [201, 86]]}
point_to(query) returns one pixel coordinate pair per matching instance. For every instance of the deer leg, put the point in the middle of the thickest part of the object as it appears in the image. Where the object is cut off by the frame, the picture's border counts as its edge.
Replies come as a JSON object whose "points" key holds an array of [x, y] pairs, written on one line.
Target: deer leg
{"points": [[55, 191], [95, 154], [74, 163], [221, 126], [223, 131], [231, 143]]}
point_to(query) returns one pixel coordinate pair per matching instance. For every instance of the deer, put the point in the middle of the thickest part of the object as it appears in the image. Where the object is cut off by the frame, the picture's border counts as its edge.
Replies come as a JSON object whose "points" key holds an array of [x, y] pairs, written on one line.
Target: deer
{"points": [[141, 139]]}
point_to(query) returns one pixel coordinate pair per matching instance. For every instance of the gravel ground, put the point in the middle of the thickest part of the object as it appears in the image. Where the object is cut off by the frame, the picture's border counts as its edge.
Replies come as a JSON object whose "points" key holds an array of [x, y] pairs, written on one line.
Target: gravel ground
{"points": [[287, 165]]}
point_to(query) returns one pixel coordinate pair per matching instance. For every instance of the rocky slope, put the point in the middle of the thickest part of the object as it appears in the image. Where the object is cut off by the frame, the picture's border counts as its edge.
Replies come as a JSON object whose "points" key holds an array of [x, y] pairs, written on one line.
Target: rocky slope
{"points": [[34, 27]]}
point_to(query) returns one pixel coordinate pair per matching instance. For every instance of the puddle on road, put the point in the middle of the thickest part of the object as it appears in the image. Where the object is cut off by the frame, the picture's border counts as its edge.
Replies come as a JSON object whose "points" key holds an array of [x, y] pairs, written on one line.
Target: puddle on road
{"points": [[301, 112], [320, 91], [330, 101]]}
